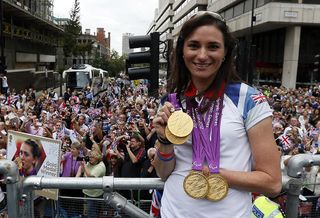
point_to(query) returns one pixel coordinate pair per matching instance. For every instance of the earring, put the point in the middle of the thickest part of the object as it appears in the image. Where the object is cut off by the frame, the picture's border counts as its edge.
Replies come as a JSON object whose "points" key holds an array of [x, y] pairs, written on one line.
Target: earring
{"points": [[223, 59]]}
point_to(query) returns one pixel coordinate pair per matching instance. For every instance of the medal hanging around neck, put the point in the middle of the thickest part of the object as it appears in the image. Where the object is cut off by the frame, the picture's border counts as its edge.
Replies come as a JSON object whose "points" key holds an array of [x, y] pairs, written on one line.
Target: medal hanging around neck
{"points": [[218, 186], [195, 184], [206, 144], [180, 124]]}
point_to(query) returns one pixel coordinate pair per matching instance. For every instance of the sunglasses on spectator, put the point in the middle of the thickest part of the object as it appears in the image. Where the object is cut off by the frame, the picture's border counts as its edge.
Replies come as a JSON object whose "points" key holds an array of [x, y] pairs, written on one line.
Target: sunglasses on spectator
{"points": [[211, 13], [26, 154]]}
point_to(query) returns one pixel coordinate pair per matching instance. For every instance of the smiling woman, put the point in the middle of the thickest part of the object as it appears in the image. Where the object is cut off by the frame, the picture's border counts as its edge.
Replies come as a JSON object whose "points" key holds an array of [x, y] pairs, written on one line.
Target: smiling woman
{"points": [[231, 151]]}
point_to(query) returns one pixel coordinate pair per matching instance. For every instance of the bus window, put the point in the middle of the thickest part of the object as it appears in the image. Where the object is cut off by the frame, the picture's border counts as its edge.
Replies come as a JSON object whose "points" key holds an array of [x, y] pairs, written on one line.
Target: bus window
{"points": [[77, 80]]}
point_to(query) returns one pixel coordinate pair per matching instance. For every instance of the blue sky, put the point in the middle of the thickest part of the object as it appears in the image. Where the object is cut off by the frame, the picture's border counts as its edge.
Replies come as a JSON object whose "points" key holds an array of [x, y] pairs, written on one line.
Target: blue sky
{"points": [[115, 16]]}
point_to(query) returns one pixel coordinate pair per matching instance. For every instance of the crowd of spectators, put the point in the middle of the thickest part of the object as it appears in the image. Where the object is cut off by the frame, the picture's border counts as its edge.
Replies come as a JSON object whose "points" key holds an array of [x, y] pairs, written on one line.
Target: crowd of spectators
{"points": [[296, 125], [113, 128], [117, 125]]}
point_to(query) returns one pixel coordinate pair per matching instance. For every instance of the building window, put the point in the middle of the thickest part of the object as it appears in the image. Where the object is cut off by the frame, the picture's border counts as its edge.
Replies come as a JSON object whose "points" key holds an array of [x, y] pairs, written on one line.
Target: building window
{"points": [[238, 9], [247, 5], [260, 3], [229, 14], [311, 2]]}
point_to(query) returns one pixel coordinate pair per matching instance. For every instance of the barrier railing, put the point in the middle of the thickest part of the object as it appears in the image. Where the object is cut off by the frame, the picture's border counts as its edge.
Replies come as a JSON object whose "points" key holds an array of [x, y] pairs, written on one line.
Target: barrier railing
{"points": [[21, 193], [293, 186]]}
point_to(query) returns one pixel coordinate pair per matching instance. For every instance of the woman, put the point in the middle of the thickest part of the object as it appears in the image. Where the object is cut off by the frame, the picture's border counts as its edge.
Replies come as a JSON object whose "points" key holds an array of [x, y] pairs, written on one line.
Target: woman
{"points": [[71, 162], [94, 168], [29, 154], [203, 78]]}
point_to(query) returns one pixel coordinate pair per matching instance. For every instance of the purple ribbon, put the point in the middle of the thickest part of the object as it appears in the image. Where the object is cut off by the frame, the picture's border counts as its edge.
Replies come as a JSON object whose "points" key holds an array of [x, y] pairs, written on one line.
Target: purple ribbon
{"points": [[206, 135], [173, 100]]}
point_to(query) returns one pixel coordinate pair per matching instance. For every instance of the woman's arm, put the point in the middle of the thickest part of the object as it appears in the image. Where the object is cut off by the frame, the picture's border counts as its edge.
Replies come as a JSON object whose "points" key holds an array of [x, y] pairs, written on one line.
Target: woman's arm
{"points": [[163, 168], [266, 175], [80, 171]]}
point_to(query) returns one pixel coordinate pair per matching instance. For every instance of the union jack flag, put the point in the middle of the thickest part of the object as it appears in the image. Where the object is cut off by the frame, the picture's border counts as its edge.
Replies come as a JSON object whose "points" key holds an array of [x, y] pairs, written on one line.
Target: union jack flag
{"points": [[156, 203], [285, 142], [258, 98], [313, 131]]}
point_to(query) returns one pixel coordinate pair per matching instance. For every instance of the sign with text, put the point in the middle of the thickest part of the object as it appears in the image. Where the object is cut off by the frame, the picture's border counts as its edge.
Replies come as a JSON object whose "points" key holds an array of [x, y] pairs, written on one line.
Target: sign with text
{"points": [[35, 155]]}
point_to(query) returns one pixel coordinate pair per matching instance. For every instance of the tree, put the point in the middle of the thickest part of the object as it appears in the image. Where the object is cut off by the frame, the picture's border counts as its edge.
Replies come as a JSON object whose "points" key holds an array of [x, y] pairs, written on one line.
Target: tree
{"points": [[117, 64], [84, 49], [72, 31], [114, 65]]}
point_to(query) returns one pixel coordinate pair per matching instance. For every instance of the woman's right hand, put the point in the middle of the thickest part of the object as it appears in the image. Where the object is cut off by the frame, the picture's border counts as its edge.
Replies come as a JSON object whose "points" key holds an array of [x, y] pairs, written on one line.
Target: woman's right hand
{"points": [[161, 119]]}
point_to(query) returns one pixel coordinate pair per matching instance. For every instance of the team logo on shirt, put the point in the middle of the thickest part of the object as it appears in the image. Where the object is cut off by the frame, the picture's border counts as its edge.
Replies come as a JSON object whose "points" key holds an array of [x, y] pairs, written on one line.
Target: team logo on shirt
{"points": [[259, 98]]}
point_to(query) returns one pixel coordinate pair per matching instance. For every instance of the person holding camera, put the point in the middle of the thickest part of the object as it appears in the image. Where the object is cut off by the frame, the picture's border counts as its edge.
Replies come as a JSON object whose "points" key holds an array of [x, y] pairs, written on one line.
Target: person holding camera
{"points": [[71, 162], [93, 168], [134, 156]]}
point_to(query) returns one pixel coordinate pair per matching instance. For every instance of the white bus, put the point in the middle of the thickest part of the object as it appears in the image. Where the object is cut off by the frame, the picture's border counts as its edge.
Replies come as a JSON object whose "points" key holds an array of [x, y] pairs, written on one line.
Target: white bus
{"points": [[82, 76]]}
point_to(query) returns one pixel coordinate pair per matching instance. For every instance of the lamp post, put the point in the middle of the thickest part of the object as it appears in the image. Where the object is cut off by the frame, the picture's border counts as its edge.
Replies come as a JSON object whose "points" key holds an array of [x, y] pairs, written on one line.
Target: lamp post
{"points": [[251, 49]]}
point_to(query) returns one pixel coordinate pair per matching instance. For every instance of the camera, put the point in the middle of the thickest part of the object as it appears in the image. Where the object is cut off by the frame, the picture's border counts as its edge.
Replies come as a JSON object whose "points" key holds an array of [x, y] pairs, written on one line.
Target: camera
{"points": [[85, 158]]}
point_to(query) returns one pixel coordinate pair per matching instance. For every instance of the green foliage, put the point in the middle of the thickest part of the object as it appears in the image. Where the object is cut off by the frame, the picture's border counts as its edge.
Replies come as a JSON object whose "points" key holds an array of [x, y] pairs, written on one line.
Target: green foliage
{"points": [[114, 65], [84, 48], [72, 31]]}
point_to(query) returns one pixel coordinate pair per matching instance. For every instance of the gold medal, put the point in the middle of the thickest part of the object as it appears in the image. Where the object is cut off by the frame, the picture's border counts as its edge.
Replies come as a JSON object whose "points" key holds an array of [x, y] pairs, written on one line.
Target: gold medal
{"points": [[196, 185], [174, 139], [180, 124], [218, 187]]}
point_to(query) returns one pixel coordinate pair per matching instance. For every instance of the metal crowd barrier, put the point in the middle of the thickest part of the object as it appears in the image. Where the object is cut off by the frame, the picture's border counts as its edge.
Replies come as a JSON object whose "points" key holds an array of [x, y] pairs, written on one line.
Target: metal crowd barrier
{"points": [[21, 192], [293, 183]]}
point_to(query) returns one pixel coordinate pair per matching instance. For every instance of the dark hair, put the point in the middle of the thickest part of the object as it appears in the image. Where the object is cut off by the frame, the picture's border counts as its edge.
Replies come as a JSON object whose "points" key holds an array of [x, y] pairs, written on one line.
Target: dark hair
{"points": [[180, 75], [35, 149]]}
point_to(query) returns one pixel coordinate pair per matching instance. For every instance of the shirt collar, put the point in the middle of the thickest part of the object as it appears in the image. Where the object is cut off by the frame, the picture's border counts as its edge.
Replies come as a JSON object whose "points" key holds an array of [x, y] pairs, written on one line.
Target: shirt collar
{"points": [[212, 93]]}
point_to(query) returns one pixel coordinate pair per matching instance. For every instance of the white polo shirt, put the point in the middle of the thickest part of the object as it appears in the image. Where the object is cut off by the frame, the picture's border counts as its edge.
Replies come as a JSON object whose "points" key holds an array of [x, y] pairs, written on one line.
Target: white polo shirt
{"points": [[243, 107]]}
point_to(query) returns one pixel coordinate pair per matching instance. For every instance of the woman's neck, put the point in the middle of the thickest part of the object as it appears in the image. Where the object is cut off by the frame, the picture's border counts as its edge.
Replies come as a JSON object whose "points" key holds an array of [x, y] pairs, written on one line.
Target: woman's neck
{"points": [[29, 170], [202, 85]]}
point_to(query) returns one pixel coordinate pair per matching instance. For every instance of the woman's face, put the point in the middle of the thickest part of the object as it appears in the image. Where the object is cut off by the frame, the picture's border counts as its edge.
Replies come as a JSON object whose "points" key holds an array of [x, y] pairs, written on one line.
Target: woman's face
{"points": [[75, 152], [26, 156], [93, 160], [203, 52]]}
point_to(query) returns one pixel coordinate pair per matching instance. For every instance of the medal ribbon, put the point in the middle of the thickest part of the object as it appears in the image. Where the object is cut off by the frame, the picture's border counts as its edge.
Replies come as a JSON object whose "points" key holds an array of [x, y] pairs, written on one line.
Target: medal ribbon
{"points": [[198, 154], [212, 143], [206, 135], [173, 100]]}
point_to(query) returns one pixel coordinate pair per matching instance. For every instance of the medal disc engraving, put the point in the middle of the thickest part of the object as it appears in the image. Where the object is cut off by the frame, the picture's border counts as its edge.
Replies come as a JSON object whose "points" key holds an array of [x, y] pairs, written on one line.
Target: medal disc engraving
{"points": [[196, 185], [218, 187], [180, 124], [174, 139]]}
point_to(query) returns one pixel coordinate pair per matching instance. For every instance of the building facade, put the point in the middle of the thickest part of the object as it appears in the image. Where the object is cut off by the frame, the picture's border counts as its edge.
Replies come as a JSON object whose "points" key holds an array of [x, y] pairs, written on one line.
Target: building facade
{"points": [[93, 46], [284, 35], [31, 38], [125, 44]]}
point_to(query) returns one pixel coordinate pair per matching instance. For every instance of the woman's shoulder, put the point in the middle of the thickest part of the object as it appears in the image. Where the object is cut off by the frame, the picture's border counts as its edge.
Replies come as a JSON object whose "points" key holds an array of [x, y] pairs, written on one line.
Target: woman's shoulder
{"points": [[240, 88], [241, 92], [68, 154]]}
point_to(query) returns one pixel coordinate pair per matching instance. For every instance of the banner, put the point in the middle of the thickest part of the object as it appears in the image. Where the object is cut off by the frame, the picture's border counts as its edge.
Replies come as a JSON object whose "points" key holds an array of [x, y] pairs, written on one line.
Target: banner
{"points": [[35, 155]]}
